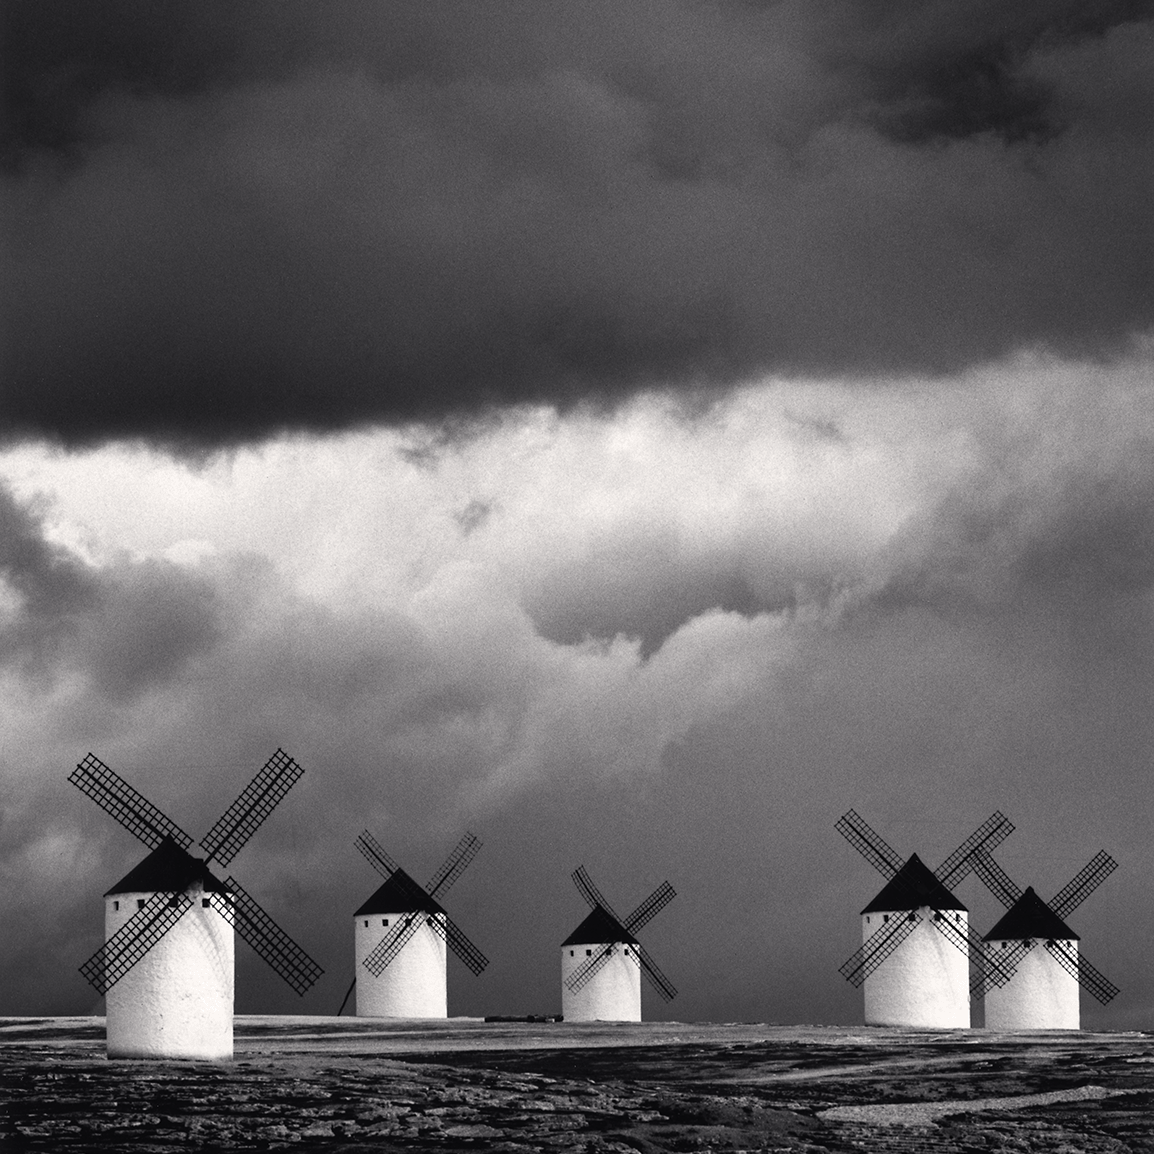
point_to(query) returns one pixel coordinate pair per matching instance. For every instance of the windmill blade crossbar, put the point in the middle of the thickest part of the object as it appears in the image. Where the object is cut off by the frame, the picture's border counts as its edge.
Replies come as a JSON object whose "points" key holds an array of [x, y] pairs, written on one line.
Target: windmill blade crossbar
{"points": [[650, 908], [870, 844], [120, 801], [988, 836], [282, 954], [1084, 883], [246, 815], [876, 948], [580, 976], [391, 944], [1091, 979], [455, 865], [590, 892], [374, 853], [995, 879], [998, 967], [656, 978], [134, 939]]}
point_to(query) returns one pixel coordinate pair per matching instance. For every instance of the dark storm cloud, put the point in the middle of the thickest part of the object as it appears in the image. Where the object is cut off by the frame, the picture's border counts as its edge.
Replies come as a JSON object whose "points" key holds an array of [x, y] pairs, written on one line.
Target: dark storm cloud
{"points": [[227, 220], [125, 630]]}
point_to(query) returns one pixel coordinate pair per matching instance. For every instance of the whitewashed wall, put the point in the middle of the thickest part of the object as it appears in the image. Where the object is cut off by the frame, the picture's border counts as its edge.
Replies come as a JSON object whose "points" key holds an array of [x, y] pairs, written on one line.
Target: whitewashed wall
{"points": [[1040, 996], [177, 1001], [925, 981], [613, 994], [413, 984]]}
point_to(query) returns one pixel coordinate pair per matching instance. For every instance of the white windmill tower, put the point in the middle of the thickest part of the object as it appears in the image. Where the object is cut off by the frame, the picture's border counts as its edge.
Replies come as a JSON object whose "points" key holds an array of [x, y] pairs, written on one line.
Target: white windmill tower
{"points": [[916, 938], [1040, 952], [166, 966], [602, 962], [400, 936]]}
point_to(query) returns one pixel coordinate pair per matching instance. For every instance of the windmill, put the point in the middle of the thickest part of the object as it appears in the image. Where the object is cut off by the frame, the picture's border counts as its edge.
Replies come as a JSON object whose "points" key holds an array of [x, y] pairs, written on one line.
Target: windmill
{"points": [[402, 973], [916, 938], [1039, 951], [602, 961], [166, 966]]}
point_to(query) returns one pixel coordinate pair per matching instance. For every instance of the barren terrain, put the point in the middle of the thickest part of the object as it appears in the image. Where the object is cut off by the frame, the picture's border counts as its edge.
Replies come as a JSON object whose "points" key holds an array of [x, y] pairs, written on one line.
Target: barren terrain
{"points": [[355, 1084]]}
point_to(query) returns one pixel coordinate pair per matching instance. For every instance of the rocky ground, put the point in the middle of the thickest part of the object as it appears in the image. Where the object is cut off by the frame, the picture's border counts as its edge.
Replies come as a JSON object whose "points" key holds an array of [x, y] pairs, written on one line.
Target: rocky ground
{"points": [[347, 1084]]}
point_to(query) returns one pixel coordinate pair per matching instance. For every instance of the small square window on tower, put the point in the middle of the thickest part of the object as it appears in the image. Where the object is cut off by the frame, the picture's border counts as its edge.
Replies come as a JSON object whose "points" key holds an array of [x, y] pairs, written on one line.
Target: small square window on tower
{"points": [[588, 953], [366, 923], [205, 902], [140, 903], [384, 921]]}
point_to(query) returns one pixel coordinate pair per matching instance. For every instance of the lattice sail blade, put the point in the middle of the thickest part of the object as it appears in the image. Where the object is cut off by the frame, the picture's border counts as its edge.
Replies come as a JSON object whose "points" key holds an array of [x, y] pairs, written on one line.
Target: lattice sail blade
{"points": [[995, 879], [375, 854], [455, 865], [134, 939], [457, 941], [248, 813], [463, 948], [970, 943], [282, 954], [1092, 980], [392, 943], [997, 967], [590, 892], [584, 972], [870, 844], [656, 978], [650, 908], [876, 948], [119, 800], [1084, 883], [988, 836]]}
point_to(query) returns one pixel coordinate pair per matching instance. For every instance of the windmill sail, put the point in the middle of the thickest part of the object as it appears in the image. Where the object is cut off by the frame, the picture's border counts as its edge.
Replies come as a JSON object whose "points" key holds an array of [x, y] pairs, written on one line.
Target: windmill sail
{"points": [[246, 815], [996, 880], [876, 948], [650, 908], [656, 978], [375, 854], [455, 865], [1088, 977], [580, 976], [120, 801], [392, 944], [1083, 884], [134, 939], [869, 843], [285, 957], [590, 892], [988, 836]]}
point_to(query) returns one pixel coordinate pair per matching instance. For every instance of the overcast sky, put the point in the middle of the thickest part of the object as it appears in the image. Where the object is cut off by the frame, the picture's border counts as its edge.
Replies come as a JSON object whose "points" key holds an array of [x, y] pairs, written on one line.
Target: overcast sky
{"points": [[635, 433]]}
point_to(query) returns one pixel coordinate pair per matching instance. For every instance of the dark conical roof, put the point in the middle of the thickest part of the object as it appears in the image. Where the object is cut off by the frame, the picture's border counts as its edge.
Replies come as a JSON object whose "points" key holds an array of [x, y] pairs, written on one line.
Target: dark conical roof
{"points": [[399, 895], [1030, 917], [912, 887], [597, 929], [168, 869]]}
